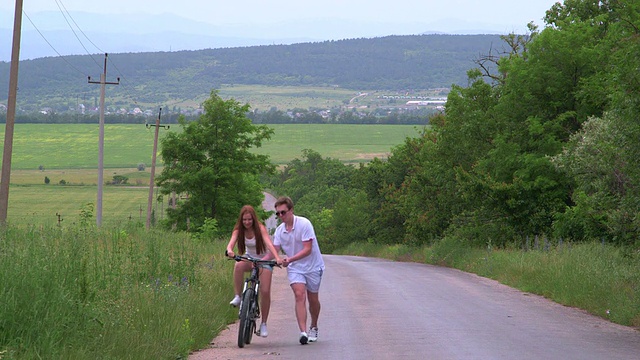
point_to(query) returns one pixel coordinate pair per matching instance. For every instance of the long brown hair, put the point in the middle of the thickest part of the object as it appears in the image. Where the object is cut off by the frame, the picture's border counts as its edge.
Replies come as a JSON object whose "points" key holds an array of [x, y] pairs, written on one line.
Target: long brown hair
{"points": [[260, 247]]}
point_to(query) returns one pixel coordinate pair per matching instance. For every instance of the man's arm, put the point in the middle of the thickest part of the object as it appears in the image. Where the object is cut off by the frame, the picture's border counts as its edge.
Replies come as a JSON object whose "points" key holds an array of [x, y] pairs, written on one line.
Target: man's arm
{"points": [[306, 250]]}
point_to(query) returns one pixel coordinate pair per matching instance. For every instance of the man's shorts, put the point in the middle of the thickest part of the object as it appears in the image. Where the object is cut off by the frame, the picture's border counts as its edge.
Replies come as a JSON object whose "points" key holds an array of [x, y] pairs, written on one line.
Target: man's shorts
{"points": [[311, 279]]}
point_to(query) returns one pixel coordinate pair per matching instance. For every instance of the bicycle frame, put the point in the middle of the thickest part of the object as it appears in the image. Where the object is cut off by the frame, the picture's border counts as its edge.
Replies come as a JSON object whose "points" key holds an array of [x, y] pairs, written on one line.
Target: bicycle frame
{"points": [[252, 282]]}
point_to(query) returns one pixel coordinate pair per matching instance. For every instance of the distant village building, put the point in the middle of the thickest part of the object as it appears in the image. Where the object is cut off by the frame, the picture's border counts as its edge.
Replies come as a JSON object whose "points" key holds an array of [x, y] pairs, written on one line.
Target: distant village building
{"points": [[426, 102]]}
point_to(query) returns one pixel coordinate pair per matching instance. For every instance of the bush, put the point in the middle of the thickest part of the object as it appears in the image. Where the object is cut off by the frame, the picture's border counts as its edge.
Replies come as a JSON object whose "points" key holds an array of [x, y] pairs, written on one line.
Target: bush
{"points": [[119, 180], [209, 231]]}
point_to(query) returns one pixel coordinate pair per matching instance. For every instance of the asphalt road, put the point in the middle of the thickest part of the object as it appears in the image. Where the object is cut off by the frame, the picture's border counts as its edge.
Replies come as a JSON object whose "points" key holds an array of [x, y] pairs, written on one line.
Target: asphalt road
{"points": [[378, 309], [268, 204]]}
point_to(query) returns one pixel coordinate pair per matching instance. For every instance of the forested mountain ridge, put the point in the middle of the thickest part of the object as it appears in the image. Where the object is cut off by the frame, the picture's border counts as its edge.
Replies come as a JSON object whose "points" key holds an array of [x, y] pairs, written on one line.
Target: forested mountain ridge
{"points": [[386, 63]]}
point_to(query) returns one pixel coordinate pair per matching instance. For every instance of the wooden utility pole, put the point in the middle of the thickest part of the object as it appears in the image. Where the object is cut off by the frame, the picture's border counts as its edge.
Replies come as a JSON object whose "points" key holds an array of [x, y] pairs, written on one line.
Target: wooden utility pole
{"points": [[102, 82], [11, 114], [153, 167]]}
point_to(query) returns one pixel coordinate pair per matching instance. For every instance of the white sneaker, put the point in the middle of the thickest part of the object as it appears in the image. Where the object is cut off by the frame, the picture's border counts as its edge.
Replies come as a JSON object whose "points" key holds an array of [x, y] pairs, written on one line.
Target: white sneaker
{"points": [[303, 338], [313, 334], [263, 330], [236, 301]]}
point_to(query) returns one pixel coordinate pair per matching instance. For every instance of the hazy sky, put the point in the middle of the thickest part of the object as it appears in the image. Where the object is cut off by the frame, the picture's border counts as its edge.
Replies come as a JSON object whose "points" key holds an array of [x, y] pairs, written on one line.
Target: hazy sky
{"points": [[512, 14], [143, 25]]}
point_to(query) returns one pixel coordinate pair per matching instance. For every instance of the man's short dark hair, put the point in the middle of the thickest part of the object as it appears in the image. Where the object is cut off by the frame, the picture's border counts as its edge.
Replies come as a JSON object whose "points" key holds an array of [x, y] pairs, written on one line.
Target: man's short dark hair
{"points": [[284, 200]]}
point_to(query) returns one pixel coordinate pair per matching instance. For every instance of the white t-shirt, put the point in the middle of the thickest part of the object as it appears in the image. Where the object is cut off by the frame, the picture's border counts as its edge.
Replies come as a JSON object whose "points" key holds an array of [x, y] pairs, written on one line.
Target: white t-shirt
{"points": [[291, 242]]}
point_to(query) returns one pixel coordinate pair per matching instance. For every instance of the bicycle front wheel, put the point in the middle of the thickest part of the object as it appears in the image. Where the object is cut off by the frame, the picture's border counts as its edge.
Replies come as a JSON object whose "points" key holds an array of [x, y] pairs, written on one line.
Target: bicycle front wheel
{"points": [[246, 321], [251, 327]]}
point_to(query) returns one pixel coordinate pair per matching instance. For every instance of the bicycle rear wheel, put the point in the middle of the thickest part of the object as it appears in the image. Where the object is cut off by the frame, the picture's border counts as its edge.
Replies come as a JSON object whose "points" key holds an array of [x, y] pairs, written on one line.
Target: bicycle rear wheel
{"points": [[246, 320]]}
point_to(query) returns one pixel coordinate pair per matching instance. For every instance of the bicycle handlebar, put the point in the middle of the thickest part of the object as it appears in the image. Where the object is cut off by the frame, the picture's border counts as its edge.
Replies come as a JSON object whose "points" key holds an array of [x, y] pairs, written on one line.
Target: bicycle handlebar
{"points": [[253, 260]]}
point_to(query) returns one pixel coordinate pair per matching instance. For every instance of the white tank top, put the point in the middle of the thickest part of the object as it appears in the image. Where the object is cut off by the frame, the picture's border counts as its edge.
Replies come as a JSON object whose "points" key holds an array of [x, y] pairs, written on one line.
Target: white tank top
{"points": [[250, 246]]}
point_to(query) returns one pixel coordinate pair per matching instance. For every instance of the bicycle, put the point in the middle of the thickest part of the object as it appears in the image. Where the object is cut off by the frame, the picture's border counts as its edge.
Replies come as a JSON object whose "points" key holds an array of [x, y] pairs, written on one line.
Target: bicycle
{"points": [[250, 304]]}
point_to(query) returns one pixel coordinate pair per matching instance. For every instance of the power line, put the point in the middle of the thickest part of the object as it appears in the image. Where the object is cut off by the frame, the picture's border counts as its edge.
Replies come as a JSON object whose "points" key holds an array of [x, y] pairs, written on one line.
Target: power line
{"points": [[61, 7], [85, 35], [59, 3], [69, 20], [52, 47]]}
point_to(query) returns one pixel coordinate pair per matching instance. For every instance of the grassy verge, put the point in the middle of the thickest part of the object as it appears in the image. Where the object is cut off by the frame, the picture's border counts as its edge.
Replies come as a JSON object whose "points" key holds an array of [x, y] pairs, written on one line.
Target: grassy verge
{"points": [[600, 279], [119, 293]]}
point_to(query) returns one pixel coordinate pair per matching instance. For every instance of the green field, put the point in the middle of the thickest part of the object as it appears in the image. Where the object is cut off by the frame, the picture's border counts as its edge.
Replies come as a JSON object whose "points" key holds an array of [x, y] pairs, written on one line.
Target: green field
{"points": [[75, 146], [40, 204], [69, 153], [263, 98]]}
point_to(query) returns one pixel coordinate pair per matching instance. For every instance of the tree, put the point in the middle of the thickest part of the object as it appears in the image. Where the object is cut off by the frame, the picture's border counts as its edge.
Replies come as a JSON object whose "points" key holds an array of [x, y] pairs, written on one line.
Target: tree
{"points": [[119, 180], [210, 168], [596, 158]]}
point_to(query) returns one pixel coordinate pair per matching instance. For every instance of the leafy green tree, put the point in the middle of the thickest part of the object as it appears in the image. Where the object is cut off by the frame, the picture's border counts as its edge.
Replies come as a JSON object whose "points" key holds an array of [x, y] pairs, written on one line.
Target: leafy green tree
{"points": [[350, 222], [508, 187], [376, 180], [601, 158], [316, 185], [593, 159], [209, 165], [431, 197], [312, 175], [119, 180]]}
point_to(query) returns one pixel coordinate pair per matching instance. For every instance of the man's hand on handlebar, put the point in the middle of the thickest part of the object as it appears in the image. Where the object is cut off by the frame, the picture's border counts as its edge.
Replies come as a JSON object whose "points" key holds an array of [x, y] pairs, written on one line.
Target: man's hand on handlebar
{"points": [[285, 262]]}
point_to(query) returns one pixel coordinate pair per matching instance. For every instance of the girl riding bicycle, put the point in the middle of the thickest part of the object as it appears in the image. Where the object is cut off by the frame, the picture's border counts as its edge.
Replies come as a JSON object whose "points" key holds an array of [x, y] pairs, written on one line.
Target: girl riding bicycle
{"points": [[253, 240]]}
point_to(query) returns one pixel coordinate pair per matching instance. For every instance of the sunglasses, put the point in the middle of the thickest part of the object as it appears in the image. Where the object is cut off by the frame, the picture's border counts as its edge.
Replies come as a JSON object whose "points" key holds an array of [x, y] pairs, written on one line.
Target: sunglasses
{"points": [[281, 213]]}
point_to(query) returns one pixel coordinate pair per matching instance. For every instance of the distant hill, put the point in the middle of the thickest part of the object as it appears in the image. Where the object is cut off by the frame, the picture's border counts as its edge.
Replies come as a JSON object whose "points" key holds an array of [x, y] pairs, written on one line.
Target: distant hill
{"points": [[384, 63], [143, 32]]}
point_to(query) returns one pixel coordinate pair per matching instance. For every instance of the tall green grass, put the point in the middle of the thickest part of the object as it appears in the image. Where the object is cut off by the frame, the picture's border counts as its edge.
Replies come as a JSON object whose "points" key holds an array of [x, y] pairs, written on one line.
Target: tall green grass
{"points": [[601, 279], [121, 293]]}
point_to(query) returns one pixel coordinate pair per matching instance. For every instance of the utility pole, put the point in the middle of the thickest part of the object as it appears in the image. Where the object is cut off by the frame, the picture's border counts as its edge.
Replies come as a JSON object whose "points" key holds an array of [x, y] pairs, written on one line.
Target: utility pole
{"points": [[11, 114], [153, 166], [102, 82]]}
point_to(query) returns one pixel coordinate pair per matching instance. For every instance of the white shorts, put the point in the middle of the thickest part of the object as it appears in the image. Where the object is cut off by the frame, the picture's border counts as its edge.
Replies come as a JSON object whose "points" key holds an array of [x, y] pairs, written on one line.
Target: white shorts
{"points": [[311, 279]]}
